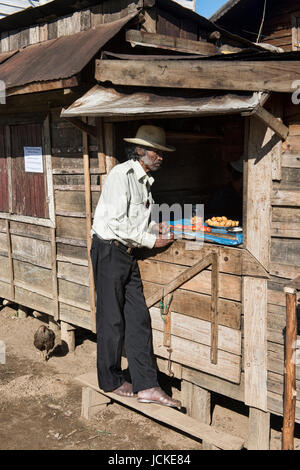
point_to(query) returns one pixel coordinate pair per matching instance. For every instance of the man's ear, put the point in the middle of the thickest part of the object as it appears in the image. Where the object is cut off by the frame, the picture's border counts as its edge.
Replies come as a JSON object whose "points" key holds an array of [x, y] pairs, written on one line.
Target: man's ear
{"points": [[139, 151]]}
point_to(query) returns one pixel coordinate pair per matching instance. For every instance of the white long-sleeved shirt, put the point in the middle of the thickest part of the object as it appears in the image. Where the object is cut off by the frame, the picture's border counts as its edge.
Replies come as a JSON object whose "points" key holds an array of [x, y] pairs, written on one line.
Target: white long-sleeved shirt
{"points": [[122, 212]]}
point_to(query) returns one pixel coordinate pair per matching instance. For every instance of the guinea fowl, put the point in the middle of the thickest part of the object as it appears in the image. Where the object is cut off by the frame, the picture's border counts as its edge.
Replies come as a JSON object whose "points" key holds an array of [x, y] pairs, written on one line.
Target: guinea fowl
{"points": [[44, 339]]}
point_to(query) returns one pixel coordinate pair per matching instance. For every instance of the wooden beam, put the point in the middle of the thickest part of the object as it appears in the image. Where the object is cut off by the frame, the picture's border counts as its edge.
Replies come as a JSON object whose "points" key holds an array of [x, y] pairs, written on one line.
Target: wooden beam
{"points": [[83, 126], [259, 430], [200, 74], [275, 124], [101, 148], [88, 215], [162, 41], [43, 86]]}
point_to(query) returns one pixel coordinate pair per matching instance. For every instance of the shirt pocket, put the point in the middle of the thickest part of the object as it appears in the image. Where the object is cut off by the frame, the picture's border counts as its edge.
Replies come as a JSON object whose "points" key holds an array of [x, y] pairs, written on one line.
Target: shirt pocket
{"points": [[135, 208]]}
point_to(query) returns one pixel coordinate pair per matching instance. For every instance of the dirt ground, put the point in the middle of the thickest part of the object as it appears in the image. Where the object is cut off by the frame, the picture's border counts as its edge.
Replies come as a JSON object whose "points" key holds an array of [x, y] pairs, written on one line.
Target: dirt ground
{"points": [[40, 402]]}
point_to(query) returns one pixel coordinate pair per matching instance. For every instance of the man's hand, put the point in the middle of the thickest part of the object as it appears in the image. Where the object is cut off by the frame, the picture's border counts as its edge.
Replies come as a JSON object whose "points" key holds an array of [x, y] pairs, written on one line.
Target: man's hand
{"points": [[161, 228], [164, 240], [164, 227]]}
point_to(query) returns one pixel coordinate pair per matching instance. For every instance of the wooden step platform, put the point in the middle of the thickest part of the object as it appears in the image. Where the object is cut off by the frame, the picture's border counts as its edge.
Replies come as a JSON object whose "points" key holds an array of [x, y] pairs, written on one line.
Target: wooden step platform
{"points": [[170, 416]]}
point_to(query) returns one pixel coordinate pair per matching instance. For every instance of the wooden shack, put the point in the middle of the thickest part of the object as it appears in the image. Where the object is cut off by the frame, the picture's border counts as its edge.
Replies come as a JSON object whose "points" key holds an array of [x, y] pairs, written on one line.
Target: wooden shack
{"points": [[276, 23], [226, 327]]}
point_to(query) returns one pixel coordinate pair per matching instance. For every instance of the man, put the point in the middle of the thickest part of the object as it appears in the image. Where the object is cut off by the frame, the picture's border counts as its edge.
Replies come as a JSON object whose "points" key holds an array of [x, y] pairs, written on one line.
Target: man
{"points": [[121, 223]]}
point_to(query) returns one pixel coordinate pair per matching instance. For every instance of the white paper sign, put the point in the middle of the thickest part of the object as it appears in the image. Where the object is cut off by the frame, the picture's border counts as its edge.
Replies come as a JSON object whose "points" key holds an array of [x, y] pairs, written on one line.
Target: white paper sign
{"points": [[33, 159]]}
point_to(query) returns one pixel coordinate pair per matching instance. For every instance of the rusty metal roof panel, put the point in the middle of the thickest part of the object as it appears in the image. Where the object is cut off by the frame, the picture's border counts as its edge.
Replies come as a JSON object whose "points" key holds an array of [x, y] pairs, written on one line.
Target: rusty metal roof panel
{"points": [[108, 102], [58, 58], [6, 55]]}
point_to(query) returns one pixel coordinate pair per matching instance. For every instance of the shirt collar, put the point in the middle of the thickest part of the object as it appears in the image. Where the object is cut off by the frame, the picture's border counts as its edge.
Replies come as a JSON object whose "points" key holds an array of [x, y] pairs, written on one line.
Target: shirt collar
{"points": [[140, 172]]}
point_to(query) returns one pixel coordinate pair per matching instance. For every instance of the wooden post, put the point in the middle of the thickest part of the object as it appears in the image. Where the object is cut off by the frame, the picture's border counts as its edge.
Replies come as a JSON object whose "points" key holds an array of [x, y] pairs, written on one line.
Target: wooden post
{"points": [[197, 402], [54, 275], [68, 335], [88, 215], [109, 143], [22, 312], [53, 325], [101, 149], [11, 264], [92, 402], [259, 430], [290, 370]]}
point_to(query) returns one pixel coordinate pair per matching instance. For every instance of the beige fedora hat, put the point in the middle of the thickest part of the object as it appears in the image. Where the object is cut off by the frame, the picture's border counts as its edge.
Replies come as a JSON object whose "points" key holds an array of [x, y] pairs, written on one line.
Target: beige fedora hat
{"points": [[151, 136]]}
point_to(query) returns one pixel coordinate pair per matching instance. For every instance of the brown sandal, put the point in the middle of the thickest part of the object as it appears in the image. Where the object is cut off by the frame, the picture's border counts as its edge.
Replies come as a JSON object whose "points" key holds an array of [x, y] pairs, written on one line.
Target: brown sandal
{"points": [[158, 396], [125, 390]]}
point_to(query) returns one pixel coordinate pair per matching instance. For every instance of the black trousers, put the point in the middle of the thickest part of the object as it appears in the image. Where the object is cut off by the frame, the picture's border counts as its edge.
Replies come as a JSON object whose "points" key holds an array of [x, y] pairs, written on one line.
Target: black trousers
{"points": [[122, 318]]}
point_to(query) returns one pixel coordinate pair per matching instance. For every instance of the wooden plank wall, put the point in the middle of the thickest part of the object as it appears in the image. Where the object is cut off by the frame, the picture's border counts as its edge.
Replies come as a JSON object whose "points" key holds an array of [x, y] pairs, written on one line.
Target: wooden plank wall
{"points": [[285, 255], [70, 212], [191, 307], [279, 23], [27, 251], [82, 20]]}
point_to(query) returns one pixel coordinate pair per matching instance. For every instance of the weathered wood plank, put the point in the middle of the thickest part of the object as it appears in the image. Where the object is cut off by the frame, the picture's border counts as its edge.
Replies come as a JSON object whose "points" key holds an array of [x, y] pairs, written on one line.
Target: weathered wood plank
{"points": [[271, 121], [198, 305], [171, 417], [259, 430], [73, 273], [275, 405], [230, 75], [255, 342], [73, 292], [34, 276], [259, 183], [198, 356], [162, 41], [285, 230], [33, 300], [286, 271], [69, 227], [4, 269], [3, 243], [75, 315], [281, 197], [215, 384], [5, 290], [290, 161], [285, 251], [289, 215], [158, 272], [72, 254], [30, 230], [31, 250], [198, 331], [179, 280]]}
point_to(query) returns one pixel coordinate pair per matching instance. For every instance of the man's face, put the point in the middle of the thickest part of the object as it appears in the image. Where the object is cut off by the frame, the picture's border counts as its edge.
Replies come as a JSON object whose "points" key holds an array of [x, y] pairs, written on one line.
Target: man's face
{"points": [[152, 158]]}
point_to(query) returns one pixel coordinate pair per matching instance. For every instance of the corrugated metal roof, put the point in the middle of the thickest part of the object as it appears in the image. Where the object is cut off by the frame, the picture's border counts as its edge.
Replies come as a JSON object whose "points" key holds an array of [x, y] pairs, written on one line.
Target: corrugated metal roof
{"points": [[58, 58], [14, 6], [101, 101]]}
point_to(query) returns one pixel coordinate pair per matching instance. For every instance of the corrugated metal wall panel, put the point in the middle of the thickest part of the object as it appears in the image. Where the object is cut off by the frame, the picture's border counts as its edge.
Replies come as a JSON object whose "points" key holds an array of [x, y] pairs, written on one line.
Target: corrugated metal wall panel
{"points": [[14, 6], [29, 189], [4, 204]]}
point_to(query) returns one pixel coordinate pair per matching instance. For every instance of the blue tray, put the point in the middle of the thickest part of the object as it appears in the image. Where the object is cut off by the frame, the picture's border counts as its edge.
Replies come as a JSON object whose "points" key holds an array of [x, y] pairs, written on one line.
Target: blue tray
{"points": [[207, 236]]}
